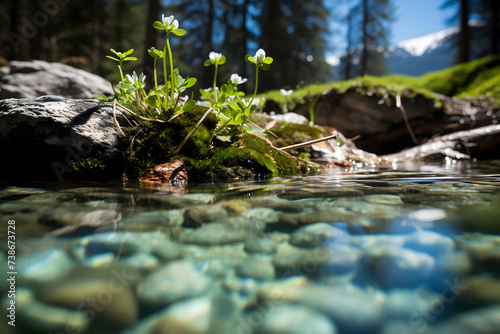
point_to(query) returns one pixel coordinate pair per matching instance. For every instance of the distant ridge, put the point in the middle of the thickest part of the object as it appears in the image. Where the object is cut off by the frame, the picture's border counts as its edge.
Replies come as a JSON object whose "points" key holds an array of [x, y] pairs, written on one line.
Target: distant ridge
{"points": [[417, 56]]}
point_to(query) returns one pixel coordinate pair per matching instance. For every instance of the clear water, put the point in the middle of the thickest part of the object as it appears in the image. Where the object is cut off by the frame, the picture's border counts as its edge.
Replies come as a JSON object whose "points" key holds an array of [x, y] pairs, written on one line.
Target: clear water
{"points": [[366, 250]]}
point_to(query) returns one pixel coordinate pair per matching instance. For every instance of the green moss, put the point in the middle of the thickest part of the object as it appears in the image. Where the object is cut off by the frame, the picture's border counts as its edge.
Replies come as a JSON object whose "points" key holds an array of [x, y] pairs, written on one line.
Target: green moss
{"points": [[479, 77]]}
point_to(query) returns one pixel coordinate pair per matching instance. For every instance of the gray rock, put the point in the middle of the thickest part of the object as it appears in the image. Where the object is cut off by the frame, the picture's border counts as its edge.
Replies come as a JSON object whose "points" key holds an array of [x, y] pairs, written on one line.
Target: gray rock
{"points": [[392, 267], [429, 242], [291, 260], [185, 317], [259, 268], [214, 234], [176, 281], [110, 301], [43, 138], [31, 79], [480, 290], [200, 215], [261, 245], [316, 235], [44, 265], [352, 310], [296, 319], [35, 317]]}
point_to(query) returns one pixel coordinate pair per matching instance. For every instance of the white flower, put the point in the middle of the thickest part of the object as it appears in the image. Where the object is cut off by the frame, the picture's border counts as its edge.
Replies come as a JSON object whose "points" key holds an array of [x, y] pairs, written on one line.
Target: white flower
{"points": [[236, 79], [285, 92], [214, 56], [133, 79], [169, 22], [259, 55]]}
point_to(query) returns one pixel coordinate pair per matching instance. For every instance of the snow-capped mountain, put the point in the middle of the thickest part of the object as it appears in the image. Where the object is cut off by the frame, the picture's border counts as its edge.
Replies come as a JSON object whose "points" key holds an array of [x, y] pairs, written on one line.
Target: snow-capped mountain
{"points": [[423, 54]]}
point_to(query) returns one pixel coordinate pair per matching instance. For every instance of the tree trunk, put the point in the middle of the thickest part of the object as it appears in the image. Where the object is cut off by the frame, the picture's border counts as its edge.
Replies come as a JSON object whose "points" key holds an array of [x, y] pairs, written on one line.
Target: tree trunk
{"points": [[495, 12], [464, 40], [364, 55], [96, 37]]}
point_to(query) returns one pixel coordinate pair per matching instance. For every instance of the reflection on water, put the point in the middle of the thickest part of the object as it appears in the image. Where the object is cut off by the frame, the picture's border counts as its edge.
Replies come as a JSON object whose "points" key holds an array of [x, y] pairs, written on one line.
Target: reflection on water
{"points": [[390, 251]]}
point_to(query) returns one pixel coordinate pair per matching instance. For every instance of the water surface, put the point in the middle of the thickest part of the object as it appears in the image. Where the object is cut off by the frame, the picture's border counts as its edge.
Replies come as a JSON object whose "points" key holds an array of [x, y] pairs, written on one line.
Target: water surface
{"points": [[399, 250]]}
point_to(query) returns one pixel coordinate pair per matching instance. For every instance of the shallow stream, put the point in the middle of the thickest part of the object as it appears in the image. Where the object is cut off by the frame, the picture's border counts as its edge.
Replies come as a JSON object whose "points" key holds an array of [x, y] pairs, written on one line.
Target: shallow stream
{"points": [[365, 250]]}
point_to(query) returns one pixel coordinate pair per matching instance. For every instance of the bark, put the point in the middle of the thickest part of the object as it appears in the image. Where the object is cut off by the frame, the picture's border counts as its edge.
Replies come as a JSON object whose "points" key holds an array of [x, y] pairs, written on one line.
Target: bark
{"points": [[464, 37]]}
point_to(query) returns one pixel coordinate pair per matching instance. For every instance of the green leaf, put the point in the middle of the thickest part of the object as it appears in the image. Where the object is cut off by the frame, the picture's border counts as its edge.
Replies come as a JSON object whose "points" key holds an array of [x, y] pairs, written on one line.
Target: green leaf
{"points": [[190, 82], [264, 67], [128, 52], [222, 60], [208, 62], [129, 59], [112, 58], [249, 59], [340, 142], [189, 105], [158, 25], [223, 138], [114, 51], [268, 60], [104, 97], [179, 32]]}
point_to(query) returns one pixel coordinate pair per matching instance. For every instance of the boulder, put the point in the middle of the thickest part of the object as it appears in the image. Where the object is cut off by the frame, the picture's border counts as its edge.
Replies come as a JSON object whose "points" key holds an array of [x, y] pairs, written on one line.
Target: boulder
{"points": [[45, 138], [31, 79]]}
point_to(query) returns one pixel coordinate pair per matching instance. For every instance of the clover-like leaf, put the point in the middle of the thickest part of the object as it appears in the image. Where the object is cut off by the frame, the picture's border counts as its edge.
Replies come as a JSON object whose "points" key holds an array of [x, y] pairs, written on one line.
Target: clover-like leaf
{"points": [[179, 32], [268, 60], [158, 25], [249, 59]]}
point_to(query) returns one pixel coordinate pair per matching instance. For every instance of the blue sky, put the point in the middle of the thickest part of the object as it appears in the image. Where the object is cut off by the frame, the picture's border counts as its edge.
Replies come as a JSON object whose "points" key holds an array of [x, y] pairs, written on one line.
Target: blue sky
{"points": [[416, 18], [413, 18]]}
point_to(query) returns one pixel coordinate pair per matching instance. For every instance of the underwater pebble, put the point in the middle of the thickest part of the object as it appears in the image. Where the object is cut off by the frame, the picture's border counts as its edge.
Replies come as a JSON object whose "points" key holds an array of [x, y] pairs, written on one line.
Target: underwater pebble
{"points": [[429, 242], [383, 199], [268, 215], [108, 298], [194, 217], [44, 265], [155, 219], [351, 309], [175, 281], [185, 317], [143, 261], [479, 290], [261, 245], [255, 267], [394, 267], [316, 235], [214, 234], [296, 319]]}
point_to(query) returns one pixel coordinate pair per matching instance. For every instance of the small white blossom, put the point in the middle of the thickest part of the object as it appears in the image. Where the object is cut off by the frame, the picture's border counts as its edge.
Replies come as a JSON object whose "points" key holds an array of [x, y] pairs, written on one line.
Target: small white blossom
{"points": [[214, 56], [136, 79], [259, 55], [236, 79], [169, 22], [285, 92]]}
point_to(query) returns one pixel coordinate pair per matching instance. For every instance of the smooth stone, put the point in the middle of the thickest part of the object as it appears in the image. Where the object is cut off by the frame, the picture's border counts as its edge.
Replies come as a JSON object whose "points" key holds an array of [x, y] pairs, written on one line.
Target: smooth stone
{"points": [[197, 216], [291, 260], [175, 281], [351, 309], [296, 319], [429, 242], [403, 303], [100, 260], [384, 199], [248, 225], [393, 267], [261, 245], [236, 206], [108, 298], [44, 265], [479, 290], [213, 234], [485, 320], [156, 219], [258, 268], [268, 215], [186, 317], [143, 261], [316, 235]]}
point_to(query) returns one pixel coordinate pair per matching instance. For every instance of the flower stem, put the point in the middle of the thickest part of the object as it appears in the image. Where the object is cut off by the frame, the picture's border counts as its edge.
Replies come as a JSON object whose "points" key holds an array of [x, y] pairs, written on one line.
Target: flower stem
{"points": [[155, 75], [256, 84], [215, 83], [171, 71], [165, 76], [120, 69]]}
